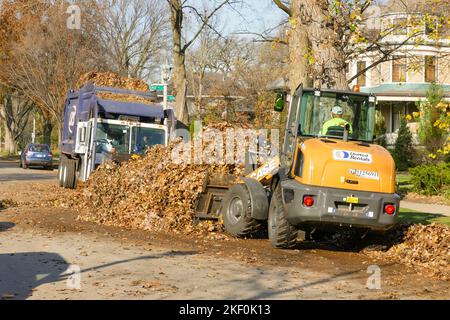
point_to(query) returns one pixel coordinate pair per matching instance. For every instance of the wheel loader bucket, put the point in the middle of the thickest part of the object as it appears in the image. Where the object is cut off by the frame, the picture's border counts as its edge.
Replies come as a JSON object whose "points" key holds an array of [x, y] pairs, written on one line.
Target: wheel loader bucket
{"points": [[209, 203]]}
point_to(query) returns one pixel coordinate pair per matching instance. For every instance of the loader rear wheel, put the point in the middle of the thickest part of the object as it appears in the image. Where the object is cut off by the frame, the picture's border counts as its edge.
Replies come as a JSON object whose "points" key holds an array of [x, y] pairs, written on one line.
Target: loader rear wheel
{"points": [[281, 233], [236, 212]]}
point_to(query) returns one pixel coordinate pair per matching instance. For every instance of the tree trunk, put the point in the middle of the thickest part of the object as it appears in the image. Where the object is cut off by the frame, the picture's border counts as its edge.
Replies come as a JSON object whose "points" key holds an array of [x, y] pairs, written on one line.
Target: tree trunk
{"points": [[298, 44], [47, 131], [327, 58], [176, 18], [181, 111], [10, 145]]}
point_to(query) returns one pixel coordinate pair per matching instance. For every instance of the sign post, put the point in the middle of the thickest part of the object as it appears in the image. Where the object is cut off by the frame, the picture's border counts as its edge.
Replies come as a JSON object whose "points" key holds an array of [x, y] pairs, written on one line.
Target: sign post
{"points": [[166, 71]]}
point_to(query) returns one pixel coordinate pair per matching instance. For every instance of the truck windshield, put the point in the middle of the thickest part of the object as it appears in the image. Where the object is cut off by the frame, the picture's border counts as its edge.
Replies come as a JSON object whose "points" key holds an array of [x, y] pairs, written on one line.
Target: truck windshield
{"points": [[327, 114], [110, 137], [142, 138]]}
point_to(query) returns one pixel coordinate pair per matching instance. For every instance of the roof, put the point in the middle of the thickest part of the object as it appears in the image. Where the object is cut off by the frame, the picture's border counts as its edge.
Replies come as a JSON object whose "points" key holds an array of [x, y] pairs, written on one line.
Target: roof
{"points": [[416, 90], [131, 108]]}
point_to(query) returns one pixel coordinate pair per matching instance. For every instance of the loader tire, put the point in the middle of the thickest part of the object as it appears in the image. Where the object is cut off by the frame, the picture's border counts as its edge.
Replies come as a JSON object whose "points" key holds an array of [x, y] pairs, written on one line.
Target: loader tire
{"points": [[281, 233], [236, 212]]}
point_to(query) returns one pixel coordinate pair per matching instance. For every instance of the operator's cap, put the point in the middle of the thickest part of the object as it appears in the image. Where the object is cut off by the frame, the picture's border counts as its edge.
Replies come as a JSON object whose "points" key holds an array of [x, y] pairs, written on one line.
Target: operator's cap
{"points": [[337, 110]]}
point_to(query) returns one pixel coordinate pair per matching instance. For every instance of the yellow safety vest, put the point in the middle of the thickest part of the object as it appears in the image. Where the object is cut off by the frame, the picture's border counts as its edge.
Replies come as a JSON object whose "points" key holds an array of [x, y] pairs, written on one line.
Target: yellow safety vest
{"points": [[334, 123]]}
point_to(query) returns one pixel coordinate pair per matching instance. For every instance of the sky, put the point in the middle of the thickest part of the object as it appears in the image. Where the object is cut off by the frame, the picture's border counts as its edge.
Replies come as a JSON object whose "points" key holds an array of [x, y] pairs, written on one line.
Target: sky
{"points": [[251, 15]]}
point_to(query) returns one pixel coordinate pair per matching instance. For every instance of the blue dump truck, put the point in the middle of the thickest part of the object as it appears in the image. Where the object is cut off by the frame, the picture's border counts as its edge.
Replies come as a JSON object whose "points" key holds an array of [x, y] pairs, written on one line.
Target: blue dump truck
{"points": [[97, 129]]}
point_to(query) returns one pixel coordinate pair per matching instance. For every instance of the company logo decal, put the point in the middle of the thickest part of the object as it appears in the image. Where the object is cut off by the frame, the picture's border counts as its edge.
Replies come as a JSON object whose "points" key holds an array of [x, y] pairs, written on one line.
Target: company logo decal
{"points": [[72, 115], [352, 156]]}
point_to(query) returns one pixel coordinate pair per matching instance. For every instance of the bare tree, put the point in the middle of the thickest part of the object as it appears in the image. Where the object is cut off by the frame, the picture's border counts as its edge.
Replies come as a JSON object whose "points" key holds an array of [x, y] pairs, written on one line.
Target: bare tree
{"points": [[14, 111], [47, 59], [133, 34], [178, 10]]}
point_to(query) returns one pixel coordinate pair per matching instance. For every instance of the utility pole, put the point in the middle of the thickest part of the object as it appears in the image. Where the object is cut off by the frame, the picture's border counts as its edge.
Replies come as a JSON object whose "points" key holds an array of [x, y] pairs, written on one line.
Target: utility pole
{"points": [[33, 135]]}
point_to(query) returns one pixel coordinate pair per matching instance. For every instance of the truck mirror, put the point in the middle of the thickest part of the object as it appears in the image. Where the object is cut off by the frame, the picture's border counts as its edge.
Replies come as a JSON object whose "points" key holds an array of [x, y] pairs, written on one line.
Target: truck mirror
{"points": [[279, 103]]}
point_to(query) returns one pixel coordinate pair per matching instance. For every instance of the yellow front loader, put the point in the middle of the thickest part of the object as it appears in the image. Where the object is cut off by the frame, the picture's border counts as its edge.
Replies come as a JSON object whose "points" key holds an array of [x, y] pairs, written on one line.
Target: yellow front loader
{"points": [[325, 177]]}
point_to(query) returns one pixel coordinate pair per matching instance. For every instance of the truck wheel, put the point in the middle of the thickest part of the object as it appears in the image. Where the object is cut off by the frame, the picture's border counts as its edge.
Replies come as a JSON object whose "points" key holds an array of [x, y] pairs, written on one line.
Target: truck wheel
{"points": [[70, 181], [236, 212], [61, 171], [281, 233]]}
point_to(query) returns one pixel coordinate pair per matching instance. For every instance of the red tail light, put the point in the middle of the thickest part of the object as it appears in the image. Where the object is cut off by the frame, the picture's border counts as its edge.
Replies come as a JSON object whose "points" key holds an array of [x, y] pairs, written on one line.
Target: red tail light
{"points": [[50, 154], [389, 209], [308, 201]]}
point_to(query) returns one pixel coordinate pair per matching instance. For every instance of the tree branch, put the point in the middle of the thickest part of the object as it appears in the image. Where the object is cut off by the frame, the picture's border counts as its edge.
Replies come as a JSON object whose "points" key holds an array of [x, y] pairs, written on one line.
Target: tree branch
{"points": [[283, 7]]}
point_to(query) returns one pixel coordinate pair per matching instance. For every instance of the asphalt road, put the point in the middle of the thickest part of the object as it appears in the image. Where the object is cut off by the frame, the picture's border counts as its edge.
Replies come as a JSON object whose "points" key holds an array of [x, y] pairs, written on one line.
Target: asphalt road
{"points": [[45, 253], [10, 171]]}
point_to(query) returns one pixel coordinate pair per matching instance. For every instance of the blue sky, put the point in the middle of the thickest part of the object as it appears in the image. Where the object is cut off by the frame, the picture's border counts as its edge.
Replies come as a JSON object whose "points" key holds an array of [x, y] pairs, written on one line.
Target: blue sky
{"points": [[254, 15], [251, 15]]}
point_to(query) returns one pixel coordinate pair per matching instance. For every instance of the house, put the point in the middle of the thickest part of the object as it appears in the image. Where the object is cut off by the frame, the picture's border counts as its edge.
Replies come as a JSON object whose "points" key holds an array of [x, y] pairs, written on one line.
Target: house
{"points": [[403, 78]]}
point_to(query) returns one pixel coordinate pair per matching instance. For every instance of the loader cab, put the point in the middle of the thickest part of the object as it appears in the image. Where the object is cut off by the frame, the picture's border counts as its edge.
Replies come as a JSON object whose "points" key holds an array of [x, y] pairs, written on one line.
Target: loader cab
{"points": [[327, 115]]}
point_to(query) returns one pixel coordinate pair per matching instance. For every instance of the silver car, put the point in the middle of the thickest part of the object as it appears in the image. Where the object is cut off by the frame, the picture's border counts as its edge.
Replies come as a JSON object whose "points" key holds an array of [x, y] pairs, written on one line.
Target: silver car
{"points": [[36, 155]]}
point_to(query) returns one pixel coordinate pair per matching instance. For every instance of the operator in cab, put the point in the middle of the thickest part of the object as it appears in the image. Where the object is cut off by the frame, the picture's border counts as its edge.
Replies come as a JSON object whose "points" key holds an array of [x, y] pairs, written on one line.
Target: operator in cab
{"points": [[337, 120]]}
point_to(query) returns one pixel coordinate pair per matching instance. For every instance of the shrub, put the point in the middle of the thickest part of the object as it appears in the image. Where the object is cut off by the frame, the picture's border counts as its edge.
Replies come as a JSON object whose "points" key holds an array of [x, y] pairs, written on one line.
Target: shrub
{"points": [[403, 152], [431, 179]]}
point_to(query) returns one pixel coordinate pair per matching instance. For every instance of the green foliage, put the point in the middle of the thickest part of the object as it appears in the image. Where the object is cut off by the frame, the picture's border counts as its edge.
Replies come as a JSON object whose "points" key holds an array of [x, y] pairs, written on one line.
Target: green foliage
{"points": [[431, 136], [380, 129], [431, 179], [403, 152]]}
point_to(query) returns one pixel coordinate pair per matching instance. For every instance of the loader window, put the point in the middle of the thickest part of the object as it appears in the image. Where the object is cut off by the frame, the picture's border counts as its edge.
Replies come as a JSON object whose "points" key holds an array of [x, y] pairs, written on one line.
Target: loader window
{"points": [[326, 115]]}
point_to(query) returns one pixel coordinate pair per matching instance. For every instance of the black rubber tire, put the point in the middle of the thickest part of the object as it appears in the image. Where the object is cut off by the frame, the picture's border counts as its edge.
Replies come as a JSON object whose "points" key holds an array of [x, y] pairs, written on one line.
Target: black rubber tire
{"points": [[281, 233], [236, 212], [71, 180], [62, 161]]}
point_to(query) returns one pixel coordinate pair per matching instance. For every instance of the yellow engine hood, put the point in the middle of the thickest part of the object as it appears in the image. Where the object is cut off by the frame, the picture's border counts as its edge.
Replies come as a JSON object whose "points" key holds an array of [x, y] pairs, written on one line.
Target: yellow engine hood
{"points": [[346, 165]]}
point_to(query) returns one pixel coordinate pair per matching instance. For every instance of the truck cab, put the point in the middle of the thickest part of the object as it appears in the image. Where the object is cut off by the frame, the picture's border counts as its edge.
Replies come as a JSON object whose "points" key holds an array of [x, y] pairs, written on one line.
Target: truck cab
{"points": [[98, 128]]}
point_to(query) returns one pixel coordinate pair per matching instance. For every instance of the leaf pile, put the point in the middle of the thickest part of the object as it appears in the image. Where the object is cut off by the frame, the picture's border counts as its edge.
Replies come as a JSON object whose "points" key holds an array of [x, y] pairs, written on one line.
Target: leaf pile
{"points": [[7, 203], [150, 193], [109, 79], [423, 247]]}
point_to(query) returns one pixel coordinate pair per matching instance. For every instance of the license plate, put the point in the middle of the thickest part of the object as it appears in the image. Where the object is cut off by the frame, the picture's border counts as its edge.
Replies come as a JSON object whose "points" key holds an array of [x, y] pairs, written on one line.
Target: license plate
{"points": [[40, 156], [351, 200]]}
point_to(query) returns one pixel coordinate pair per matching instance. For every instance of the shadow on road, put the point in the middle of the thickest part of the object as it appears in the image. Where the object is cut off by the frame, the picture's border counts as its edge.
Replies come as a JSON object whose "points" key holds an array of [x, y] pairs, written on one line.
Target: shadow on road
{"points": [[6, 225], [21, 273]]}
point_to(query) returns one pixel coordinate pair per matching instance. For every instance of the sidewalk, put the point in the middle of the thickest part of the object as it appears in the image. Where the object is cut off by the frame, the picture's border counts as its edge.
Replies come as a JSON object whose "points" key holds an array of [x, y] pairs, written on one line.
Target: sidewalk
{"points": [[425, 207]]}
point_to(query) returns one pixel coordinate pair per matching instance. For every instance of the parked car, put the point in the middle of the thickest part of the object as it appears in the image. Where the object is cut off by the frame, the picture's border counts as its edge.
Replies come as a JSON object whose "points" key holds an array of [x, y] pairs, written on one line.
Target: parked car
{"points": [[36, 155]]}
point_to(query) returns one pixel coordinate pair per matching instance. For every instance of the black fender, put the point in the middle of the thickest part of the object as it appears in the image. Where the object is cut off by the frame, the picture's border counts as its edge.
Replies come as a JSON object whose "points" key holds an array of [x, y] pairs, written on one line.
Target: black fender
{"points": [[258, 198]]}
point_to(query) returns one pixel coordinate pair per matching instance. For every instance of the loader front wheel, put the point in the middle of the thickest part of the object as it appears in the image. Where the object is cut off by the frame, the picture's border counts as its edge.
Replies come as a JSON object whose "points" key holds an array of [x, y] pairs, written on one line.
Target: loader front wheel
{"points": [[236, 212], [281, 233]]}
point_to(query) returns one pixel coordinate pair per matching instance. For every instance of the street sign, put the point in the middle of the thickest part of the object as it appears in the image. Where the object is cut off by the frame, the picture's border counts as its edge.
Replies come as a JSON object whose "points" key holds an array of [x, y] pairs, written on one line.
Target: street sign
{"points": [[171, 98], [157, 87]]}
